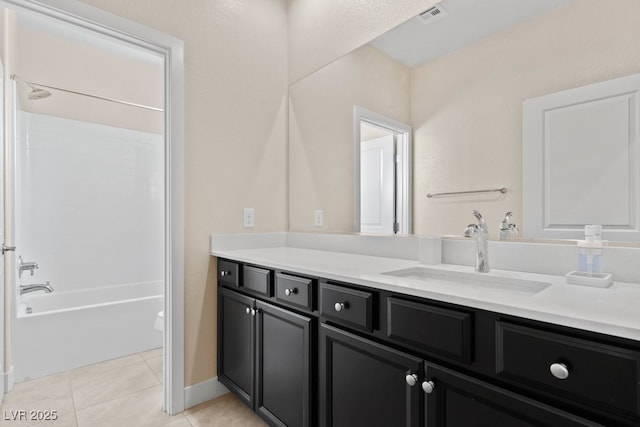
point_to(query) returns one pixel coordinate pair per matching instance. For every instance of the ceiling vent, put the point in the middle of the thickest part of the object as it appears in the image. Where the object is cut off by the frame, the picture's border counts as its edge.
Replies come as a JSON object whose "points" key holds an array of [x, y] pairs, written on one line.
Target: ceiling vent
{"points": [[432, 15]]}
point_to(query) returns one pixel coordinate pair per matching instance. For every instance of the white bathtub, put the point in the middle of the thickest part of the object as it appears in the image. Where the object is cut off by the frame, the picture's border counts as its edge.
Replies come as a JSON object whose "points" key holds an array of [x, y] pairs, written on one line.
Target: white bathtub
{"points": [[65, 330]]}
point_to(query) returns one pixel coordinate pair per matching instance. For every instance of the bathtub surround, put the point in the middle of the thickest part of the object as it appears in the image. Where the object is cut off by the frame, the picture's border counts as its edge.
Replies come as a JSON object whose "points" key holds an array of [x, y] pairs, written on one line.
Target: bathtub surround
{"points": [[87, 193], [102, 187]]}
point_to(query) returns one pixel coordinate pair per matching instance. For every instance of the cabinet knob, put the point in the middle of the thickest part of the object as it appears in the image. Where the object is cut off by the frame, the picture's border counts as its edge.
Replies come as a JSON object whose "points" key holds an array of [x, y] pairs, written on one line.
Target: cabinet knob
{"points": [[428, 386], [339, 306], [247, 310], [411, 379], [559, 370], [225, 273], [289, 292], [254, 311]]}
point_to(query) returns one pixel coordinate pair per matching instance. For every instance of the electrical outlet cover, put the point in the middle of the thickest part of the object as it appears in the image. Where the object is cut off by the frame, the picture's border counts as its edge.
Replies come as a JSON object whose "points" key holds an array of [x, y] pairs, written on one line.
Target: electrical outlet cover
{"points": [[249, 218]]}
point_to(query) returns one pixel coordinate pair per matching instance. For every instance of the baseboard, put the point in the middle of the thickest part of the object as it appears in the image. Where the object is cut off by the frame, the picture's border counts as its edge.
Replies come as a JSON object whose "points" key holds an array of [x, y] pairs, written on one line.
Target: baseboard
{"points": [[201, 392]]}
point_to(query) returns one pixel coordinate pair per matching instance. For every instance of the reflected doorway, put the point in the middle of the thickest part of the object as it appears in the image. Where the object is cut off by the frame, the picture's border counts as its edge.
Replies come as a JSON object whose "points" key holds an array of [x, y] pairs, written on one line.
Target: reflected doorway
{"points": [[383, 174]]}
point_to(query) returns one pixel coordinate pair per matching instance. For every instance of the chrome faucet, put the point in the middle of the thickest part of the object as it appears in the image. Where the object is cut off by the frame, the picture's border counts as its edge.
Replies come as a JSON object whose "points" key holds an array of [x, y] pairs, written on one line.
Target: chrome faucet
{"points": [[25, 289], [506, 228], [26, 266], [481, 234]]}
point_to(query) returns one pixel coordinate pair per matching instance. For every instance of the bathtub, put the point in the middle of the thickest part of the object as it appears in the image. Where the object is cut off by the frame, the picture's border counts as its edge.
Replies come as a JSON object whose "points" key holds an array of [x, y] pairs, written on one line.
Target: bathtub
{"points": [[65, 330]]}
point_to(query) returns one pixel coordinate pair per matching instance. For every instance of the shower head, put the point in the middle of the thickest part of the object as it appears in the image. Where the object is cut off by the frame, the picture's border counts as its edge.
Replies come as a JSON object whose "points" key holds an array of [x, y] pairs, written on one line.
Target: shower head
{"points": [[37, 93]]}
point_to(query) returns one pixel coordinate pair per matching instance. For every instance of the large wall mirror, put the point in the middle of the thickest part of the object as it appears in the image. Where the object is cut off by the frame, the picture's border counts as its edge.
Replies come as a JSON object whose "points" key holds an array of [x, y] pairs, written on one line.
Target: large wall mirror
{"points": [[460, 83]]}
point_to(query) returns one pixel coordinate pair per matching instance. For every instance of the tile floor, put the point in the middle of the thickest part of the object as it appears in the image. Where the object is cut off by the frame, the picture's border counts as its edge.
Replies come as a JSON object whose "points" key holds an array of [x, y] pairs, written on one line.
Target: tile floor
{"points": [[124, 392]]}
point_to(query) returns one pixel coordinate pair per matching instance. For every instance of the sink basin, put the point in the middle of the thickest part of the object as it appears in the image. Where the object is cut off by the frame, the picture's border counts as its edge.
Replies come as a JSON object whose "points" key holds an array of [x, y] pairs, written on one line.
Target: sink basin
{"points": [[472, 279]]}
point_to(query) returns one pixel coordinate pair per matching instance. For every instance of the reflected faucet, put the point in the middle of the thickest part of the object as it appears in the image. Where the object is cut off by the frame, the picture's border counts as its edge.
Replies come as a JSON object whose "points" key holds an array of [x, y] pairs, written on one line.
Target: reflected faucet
{"points": [[481, 233], [25, 289], [507, 228]]}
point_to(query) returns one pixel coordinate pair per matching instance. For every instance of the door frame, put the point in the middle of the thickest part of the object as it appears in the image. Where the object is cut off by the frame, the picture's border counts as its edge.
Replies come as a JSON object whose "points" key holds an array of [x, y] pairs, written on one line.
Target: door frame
{"points": [[404, 148], [82, 15]]}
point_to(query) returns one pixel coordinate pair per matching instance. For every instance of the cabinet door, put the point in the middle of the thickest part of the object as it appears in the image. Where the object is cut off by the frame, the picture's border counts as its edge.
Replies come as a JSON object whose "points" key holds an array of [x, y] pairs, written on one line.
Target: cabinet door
{"points": [[283, 366], [236, 343], [455, 400], [363, 383]]}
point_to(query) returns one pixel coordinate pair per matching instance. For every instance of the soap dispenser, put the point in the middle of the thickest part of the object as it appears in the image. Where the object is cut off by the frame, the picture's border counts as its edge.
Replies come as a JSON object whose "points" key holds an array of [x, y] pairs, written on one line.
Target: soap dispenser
{"points": [[590, 250]]}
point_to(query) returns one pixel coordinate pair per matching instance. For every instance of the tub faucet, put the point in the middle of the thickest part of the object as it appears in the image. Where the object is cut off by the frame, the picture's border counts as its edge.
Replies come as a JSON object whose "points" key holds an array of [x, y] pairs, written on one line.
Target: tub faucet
{"points": [[25, 289], [481, 233]]}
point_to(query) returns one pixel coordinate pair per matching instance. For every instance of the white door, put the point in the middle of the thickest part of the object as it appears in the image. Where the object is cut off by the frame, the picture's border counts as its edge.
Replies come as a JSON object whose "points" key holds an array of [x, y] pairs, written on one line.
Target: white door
{"points": [[377, 185]]}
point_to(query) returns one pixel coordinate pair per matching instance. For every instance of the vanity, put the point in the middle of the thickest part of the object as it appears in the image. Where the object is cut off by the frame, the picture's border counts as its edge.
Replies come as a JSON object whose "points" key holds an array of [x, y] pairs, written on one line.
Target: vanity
{"points": [[311, 336]]}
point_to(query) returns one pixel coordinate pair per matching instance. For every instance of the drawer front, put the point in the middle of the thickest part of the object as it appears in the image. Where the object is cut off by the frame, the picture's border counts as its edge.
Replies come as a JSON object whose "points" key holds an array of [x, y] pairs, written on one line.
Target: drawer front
{"points": [[256, 280], [433, 329], [348, 306], [294, 290], [597, 374], [228, 273]]}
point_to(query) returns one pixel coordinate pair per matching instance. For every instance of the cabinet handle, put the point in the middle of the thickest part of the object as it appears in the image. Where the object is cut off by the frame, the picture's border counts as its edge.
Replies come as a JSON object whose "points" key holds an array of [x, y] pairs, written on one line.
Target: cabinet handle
{"points": [[339, 306], [411, 379], [428, 386], [559, 370], [288, 292]]}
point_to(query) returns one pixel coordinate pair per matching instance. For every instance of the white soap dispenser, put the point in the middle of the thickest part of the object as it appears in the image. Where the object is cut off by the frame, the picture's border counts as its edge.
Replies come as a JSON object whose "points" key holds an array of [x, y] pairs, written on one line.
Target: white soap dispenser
{"points": [[590, 254], [590, 250]]}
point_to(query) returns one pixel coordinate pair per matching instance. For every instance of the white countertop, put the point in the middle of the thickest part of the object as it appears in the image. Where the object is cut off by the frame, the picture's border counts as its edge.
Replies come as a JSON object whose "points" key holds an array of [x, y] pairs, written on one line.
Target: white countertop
{"points": [[614, 310]]}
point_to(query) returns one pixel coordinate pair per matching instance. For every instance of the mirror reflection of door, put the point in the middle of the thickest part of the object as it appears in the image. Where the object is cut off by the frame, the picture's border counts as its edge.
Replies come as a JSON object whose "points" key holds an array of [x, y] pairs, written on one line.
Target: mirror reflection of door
{"points": [[377, 182], [384, 179]]}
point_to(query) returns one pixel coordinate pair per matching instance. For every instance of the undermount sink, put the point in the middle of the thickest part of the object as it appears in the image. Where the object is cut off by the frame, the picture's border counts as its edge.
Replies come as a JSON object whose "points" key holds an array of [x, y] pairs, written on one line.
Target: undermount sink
{"points": [[479, 280]]}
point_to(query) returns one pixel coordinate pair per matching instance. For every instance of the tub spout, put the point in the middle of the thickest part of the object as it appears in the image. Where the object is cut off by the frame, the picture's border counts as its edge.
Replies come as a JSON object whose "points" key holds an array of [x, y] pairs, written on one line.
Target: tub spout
{"points": [[25, 289]]}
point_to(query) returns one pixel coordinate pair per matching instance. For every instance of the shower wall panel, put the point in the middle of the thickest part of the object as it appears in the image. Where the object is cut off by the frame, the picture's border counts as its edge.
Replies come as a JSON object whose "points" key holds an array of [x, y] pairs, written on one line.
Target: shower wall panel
{"points": [[90, 202]]}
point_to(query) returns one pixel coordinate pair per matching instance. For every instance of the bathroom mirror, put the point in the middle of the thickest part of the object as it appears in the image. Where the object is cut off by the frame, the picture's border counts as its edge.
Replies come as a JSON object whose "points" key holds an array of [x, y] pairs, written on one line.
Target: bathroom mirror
{"points": [[463, 100]]}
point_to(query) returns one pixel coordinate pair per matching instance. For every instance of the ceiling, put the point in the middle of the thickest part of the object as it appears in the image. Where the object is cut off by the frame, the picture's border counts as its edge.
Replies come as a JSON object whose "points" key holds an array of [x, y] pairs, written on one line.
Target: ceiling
{"points": [[458, 23]]}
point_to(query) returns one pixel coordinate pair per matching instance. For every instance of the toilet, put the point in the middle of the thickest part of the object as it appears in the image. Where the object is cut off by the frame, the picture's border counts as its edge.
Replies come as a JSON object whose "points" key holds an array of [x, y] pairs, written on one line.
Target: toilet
{"points": [[159, 323]]}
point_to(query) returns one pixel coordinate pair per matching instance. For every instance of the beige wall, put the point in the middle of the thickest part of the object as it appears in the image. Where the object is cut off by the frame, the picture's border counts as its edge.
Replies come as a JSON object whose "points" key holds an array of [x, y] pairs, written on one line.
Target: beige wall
{"points": [[61, 60], [321, 31], [235, 136], [467, 106], [321, 146]]}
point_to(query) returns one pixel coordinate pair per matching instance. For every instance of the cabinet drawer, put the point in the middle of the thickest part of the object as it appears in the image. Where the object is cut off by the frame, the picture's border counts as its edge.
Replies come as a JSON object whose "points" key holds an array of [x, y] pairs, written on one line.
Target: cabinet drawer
{"points": [[597, 374], [294, 290], [348, 306], [228, 273], [433, 329], [256, 280]]}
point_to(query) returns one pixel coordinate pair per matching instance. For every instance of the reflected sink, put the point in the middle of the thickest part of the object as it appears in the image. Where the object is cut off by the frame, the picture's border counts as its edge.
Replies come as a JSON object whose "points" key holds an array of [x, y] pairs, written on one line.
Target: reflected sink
{"points": [[478, 280]]}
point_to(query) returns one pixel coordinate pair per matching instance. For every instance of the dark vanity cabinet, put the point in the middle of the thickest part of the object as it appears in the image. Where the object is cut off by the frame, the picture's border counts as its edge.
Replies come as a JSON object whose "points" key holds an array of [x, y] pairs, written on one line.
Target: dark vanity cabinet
{"points": [[453, 399], [364, 383], [311, 352], [264, 354]]}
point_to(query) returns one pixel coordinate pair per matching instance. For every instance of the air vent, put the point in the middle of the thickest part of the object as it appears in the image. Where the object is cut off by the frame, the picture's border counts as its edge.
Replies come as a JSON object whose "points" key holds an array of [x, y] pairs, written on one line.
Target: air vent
{"points": [[432, 15]]}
